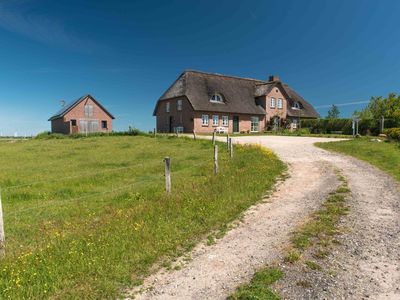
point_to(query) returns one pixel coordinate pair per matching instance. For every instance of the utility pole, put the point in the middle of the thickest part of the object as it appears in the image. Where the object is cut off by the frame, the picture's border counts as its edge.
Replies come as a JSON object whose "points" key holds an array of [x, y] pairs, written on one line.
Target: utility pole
{"points": [[382, 123]]}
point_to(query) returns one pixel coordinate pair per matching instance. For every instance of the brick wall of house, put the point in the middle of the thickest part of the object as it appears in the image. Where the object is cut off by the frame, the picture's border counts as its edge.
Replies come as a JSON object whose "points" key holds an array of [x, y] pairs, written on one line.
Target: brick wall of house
{"points": [[78, 113], [59, 126], [168, 121], [266, 103], [244, 122]]}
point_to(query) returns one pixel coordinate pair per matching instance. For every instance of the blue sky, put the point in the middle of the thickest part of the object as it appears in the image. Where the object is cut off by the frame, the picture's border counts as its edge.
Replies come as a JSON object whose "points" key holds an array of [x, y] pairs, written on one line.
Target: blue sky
{"points": [[126, 53]]}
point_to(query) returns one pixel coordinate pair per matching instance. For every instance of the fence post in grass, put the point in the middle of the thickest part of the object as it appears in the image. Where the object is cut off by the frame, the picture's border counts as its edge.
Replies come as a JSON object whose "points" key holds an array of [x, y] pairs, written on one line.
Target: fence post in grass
{"points": [[154, 132], [227, 141], [167, 174], [230, 148], [2, 234], [215, 159], [213, 137], [194, 135]]}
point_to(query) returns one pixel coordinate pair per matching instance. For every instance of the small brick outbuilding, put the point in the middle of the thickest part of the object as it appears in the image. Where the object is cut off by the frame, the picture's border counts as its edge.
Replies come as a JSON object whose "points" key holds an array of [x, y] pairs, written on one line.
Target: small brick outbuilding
{"points": [[84, 115]]}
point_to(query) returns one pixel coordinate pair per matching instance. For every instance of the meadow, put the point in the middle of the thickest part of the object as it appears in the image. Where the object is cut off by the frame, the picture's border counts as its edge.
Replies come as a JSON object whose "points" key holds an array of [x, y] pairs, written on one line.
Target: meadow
{"points": [[383, 155], [87, 217]]}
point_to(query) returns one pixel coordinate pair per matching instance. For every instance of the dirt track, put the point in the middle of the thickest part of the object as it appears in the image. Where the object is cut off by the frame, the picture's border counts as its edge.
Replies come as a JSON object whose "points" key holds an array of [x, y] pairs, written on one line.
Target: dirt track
{"points": [[367, 264]]}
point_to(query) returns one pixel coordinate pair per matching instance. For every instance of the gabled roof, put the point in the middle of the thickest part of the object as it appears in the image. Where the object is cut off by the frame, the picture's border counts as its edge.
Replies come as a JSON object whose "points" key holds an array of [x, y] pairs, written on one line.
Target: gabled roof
{"points": [[239, 93], [68, 107]]}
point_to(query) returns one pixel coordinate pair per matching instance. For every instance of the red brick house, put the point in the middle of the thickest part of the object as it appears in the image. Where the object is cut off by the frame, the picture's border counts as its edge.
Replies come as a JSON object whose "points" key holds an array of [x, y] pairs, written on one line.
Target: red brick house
{"points": [[84, 115], [199, 101]]}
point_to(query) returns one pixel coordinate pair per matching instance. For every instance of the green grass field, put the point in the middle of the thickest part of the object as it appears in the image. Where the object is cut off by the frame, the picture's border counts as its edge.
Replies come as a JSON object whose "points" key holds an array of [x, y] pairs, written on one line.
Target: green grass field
{"points": [[85, 218], [385, 156]]}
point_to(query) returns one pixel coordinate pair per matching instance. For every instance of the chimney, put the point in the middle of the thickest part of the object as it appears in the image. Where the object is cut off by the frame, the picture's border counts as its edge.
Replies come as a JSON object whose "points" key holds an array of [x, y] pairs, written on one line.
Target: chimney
{"points": [[274, 78]]}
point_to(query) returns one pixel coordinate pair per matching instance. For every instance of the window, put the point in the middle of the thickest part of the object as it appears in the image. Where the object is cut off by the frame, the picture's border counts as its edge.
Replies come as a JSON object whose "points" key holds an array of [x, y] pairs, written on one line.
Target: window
{"points": [[73, 122], [104, 124], [204, 120], [294, 123], [179, 105], [225, 121], [179, 129], [217, 98], [280, 103], [255, 124], [215, 120], [88, 110], [273, 102], [296, 105], [167, 107]]}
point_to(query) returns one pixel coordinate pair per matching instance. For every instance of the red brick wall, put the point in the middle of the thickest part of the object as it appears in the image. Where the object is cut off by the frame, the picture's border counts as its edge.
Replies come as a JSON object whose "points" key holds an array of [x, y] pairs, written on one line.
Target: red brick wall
{"points": [[63, 125], [244, 122], [183, 118], [271, 112], [59, 126], [190, 119]]}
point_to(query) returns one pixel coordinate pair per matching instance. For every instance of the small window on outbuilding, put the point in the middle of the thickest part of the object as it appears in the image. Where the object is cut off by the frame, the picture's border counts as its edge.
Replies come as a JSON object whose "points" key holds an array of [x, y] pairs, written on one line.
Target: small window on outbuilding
{"points": [[88, 110], [217, 98], [73, 122], [104, 124]]}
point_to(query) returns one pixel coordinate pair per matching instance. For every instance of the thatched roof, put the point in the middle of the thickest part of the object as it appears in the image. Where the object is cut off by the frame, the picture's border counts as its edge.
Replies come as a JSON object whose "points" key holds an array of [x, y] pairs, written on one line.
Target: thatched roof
{"points": [[238, 93]]}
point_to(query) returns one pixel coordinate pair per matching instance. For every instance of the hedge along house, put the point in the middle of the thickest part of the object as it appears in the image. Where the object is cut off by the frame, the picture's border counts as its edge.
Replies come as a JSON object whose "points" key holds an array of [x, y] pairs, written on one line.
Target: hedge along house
{"points": [[200, 102], [84, 115]]}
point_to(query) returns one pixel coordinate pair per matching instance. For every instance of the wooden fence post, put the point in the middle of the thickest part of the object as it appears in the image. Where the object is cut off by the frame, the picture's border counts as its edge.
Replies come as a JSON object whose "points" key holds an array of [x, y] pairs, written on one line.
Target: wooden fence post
{"points": [[154, 132], [213, 137], [215, 159], [167, 174], [194, 135], [227, 141], [2, 234], [230, 148]]}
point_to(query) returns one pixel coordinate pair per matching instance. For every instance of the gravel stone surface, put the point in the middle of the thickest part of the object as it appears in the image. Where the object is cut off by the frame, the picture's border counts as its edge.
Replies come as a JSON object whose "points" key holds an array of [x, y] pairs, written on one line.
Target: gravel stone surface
{"points": [[365, 265]]}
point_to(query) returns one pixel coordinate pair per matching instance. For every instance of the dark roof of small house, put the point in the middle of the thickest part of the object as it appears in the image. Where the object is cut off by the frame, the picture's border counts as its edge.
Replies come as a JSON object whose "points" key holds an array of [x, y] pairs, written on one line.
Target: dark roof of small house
{"points": [[68, 107], [238, 93]]}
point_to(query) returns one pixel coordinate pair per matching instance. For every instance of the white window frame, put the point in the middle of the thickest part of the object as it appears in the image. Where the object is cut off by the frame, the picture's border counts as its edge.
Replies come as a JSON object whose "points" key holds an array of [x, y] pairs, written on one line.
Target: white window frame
{"points": [[167, 107], [225, 121], [254, 124], [273, 102], [179, 105], [89, 110], [204, 120], [215, 120], [280, 103], [217, 98]]}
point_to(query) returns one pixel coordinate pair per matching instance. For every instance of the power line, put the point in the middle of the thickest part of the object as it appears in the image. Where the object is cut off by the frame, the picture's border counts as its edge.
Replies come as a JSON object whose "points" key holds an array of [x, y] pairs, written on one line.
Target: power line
{"points": [[342, 104]]}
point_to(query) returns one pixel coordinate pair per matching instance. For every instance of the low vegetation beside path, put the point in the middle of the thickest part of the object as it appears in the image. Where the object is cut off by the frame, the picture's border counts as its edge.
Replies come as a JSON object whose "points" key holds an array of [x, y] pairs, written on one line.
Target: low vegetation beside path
{"points": [[305, 256], [384, 155], [86, 217]]}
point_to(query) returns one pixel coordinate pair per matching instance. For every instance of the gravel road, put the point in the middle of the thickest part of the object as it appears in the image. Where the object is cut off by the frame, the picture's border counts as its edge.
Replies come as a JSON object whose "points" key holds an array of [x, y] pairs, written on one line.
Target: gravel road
{"points": [[367, 264]]}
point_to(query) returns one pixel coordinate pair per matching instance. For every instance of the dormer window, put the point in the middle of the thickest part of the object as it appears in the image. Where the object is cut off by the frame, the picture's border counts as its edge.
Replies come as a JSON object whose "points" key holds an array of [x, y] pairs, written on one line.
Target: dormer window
{"points": [[217, 98], [296, 105]]}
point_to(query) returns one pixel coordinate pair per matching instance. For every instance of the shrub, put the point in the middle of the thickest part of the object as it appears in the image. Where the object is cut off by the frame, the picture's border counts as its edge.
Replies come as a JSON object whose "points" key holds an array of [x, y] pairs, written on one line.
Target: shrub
{"points": [[393, 133], [47, 135]]}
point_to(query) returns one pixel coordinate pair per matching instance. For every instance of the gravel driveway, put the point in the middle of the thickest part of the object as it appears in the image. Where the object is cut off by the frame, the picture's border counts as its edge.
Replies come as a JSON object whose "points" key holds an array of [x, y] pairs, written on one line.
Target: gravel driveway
{"points": [[367, 264]]}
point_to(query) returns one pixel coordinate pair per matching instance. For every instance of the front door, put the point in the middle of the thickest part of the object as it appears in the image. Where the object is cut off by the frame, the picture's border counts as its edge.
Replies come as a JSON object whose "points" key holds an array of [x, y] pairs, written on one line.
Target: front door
{"points": [[235, 123], [171, 121]]}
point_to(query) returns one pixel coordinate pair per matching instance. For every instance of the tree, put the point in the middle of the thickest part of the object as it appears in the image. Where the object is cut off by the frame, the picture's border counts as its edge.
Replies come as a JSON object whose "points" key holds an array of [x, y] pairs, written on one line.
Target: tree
{"points": [[333, 112]]}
